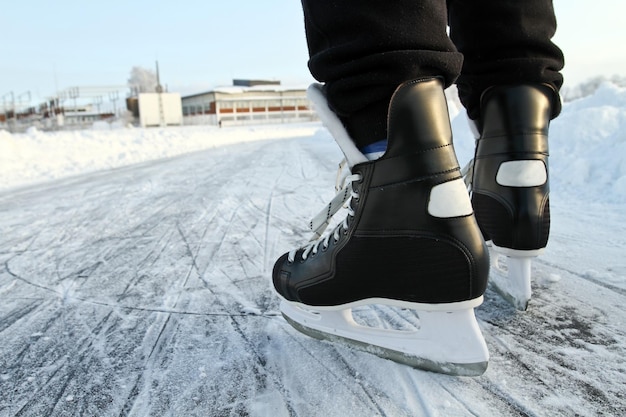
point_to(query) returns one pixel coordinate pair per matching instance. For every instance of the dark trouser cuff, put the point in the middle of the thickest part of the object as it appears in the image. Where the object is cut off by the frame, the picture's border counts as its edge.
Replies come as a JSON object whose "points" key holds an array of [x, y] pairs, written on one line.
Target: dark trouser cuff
{"points": [[368, 125]]}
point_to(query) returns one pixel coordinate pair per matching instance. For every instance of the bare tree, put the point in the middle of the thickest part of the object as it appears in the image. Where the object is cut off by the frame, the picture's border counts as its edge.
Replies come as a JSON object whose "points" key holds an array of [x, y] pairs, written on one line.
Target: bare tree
{"points": [[142, 80], [590, 86]]}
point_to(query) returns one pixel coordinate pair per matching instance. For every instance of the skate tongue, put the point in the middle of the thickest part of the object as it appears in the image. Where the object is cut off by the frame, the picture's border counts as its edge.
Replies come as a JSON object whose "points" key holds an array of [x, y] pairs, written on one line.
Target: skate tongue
{"points": [[353, 156]]}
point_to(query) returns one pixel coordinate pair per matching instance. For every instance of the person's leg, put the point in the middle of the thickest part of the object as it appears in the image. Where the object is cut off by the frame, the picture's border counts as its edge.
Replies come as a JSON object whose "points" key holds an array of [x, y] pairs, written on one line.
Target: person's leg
{"points": [[509, 85], [504, 42], [362, 50], [410, 238]]}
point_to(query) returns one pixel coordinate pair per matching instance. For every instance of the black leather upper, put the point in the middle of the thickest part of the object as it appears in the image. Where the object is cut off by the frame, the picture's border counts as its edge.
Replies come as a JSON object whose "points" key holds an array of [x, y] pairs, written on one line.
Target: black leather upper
{"points": [[514, 127], [394, 248]]}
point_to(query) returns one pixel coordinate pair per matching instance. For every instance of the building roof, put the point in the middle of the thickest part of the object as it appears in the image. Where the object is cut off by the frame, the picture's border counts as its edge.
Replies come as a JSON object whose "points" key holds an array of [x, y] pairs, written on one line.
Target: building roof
{"points": [[230, 89]]}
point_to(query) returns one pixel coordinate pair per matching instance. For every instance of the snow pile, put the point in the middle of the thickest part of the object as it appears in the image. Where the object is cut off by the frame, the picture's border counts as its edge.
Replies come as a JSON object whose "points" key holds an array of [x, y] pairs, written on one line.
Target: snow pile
{"points": [[37, 156], [587, 145]]}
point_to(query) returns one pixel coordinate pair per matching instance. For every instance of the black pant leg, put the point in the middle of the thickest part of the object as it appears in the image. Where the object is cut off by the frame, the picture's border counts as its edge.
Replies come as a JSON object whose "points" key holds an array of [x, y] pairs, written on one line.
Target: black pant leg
{"points": [[363, 49], [504, 42]]}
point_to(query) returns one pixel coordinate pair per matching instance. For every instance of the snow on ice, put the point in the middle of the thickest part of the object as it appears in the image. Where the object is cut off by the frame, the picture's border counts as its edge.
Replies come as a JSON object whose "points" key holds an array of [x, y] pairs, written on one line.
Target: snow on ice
{"points": [[134, 279]]}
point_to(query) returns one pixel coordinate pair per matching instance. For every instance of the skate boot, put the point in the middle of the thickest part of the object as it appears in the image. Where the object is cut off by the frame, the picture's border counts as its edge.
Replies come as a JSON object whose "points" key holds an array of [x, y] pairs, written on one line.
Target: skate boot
{"points": [[409, 240], [509, 186]]}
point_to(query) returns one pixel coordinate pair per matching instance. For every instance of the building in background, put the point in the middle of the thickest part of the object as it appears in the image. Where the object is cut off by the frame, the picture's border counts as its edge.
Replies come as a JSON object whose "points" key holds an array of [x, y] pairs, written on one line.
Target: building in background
{"points": [[78, 107], [248, 102], [160, 109]]}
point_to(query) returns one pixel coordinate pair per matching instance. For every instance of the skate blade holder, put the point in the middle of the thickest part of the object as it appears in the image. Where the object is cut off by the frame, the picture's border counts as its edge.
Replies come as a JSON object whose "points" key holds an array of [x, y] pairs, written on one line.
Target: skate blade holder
{"points": [[512, 277], [448, 340]]}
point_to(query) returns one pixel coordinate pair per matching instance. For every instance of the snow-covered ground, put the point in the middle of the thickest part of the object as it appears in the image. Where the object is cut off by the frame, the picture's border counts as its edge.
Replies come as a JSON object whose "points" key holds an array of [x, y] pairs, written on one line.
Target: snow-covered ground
{"points": [[134, 280], [37, 156]]}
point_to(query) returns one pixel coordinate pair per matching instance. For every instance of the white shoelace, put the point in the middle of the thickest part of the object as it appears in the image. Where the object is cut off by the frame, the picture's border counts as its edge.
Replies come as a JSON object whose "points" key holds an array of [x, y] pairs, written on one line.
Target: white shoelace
{"points": [[320, 222]]}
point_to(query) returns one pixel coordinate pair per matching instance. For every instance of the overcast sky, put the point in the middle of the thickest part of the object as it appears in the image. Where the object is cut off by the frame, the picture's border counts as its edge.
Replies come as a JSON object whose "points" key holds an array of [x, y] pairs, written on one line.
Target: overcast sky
{"points": [[49, 45]]}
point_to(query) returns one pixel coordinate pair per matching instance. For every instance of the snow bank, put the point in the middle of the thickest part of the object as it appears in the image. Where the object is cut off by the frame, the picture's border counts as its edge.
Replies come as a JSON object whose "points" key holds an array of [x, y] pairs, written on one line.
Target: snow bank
{"points": [[37, 156], [587, 145]]}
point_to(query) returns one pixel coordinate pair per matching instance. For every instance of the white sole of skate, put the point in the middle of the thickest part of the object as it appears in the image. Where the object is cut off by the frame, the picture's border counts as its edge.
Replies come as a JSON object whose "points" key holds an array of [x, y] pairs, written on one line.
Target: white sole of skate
{"points": [[448, 340], [511, 274]]}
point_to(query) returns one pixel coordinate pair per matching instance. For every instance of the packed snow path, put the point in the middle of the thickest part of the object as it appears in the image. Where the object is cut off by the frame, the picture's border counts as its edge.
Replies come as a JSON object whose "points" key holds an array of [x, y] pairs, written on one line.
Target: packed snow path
{"points": [[144, 291]]}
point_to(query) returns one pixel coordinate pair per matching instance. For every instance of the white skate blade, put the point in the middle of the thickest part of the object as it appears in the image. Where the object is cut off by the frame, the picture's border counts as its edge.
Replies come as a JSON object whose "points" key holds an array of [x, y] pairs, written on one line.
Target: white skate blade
{"points": [[511, 274], [448, 340]]}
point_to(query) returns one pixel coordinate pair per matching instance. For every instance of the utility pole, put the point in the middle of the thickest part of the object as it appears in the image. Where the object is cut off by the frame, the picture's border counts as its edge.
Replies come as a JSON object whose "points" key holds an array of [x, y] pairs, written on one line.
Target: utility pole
{"points": [[98, 101], [10, 112], [74, 93], [113, 97], [159, 90]]}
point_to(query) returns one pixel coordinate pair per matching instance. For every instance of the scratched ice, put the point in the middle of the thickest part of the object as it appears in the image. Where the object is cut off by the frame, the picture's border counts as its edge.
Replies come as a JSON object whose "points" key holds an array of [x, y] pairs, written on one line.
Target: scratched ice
{"points": [[143, 289]]}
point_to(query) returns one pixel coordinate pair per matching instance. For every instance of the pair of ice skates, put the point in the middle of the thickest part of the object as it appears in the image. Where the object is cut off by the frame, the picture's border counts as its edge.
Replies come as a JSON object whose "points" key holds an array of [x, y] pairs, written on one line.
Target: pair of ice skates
{"points": [[411, 238]]}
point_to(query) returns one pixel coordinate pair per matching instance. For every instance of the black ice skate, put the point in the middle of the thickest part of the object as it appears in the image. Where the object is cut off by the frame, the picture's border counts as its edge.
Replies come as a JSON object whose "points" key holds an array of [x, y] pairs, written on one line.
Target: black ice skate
{"points": [[509, 185], [410, 240]]}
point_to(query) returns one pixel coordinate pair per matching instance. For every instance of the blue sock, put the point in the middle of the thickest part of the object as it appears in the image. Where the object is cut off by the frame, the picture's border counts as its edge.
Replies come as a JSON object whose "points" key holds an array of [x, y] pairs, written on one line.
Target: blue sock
{"points": [[374, 150]]}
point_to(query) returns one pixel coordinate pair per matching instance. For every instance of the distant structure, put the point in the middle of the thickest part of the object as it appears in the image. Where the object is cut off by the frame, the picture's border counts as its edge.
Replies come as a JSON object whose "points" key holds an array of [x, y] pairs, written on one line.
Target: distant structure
{"points": [[253, 83], [156, 109], [72, 108], [248, 102]]}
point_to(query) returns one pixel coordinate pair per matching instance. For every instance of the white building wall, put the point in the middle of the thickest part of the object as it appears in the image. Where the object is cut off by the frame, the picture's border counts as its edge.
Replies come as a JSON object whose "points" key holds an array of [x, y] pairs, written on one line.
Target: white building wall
{"points": [[160, 109]]}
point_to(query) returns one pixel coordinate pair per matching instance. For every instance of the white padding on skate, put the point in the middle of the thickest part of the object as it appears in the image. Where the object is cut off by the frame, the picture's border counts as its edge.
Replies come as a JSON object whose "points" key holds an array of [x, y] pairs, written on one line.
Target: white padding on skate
{"points": [[447, 341], [473, 128], [516, 253], [527, 173], [334, 125], [450, 199]]}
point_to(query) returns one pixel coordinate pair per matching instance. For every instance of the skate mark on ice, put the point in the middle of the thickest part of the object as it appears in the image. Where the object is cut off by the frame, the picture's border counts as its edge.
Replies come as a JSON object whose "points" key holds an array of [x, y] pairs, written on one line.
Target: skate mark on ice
{"points": [[117, 305], [158, 343], [156, 347], [143, 263], [452, 392], [268, 216], [260, 366], [193, 256], [69, 372], [31, 239], [366, 390], [507, 398], [28, 282], [302, 165], [18, 314], [163, 334], [339, 359], [24, 349], [583, 275], [559, 341]]}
